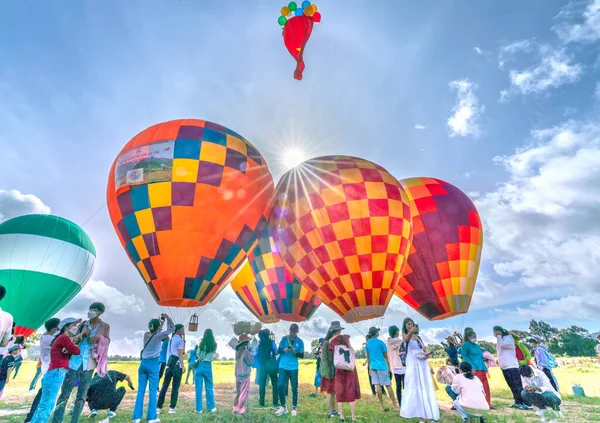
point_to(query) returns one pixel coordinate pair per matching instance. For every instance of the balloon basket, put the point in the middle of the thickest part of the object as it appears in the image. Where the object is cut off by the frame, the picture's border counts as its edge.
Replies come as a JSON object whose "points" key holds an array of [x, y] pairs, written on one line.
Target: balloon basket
{"points": [[193, 325], [249, 328]]}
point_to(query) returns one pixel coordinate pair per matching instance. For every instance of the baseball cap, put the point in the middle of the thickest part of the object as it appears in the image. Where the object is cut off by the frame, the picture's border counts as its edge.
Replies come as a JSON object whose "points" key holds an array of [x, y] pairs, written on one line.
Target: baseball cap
{"points": [[67, 321], [294, 328]]}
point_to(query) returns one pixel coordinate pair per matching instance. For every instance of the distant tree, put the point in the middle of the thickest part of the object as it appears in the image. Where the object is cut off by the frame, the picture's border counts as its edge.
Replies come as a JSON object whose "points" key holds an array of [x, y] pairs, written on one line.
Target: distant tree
{"points": [[437, 350], [487, 346], [314, 346], [216, 356], [524, 335], [542, 329], [573, 342], [33, 339]]}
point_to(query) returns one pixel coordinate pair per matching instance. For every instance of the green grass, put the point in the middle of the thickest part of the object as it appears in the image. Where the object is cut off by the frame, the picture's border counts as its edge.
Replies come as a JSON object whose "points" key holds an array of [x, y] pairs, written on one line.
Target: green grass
{"points": [[16, 401]]}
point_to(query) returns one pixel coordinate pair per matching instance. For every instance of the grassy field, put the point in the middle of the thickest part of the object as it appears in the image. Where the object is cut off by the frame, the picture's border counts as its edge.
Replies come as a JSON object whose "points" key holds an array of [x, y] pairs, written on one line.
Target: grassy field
{"points": [[585, 372]]}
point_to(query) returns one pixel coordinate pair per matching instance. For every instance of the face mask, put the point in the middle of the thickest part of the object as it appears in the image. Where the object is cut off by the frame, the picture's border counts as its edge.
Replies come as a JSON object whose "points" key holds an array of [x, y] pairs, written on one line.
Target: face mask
{"points": [[91, 314], [474, 340], [73, 330]]}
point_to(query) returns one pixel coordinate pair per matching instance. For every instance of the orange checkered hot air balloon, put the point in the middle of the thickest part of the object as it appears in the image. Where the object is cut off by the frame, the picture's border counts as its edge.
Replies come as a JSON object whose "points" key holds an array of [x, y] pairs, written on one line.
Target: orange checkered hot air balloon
{"points": [[269, 290], [443, 263], [343, 227], [187, 199]]}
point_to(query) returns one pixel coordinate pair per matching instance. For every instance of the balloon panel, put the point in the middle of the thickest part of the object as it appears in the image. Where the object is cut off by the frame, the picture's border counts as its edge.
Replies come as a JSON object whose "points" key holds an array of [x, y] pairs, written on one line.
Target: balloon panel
{"points": [[343, 227], [186, 198], [289, 299], [250, 292], [443, 263], [45, 260]]}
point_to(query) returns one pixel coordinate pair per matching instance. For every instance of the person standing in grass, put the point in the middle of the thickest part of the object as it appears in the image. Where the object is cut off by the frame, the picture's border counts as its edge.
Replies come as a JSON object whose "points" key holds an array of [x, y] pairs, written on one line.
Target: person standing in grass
{"points": [[243, 367], [394, 346], [162, 359], [7, 366], [266, 354], [317, 381], [327, 370], [148, 372], [522, 351], [542, 359], [204, 374], [61, 350], [473, 354], [291, 348], [191, 364], [347, 387], [507, 360], [380, 367], [175, 370]]}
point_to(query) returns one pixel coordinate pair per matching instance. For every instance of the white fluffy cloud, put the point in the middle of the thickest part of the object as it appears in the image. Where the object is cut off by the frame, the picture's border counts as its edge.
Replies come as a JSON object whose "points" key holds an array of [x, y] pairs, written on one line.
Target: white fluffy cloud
{"points": [[13, 203], [542, 224], [419, 126], [580, 26], [466, 112], [116, 302]]}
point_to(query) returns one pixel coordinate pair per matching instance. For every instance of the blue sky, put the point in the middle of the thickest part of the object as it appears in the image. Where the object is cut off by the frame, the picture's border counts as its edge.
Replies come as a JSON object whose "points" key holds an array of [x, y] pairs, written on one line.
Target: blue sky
{"points": [[506, 97]]}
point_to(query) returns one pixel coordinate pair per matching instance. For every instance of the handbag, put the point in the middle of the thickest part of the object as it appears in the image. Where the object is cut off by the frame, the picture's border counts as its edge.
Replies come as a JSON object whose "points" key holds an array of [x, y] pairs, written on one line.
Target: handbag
{"points": [[343, 357], [146, 344], [173, 361]]}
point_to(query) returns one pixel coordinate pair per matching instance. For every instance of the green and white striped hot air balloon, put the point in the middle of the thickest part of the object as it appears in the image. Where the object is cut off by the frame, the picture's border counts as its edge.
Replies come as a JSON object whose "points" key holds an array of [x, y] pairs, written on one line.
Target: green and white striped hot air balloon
{"points": [[45, 260]]}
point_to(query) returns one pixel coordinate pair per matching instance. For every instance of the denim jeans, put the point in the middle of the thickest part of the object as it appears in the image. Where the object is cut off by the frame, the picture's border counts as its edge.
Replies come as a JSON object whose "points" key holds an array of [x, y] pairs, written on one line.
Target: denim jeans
{"points": [[453, 395], [34, 381], [175, 374], [51, 383], [542, 400], [204, 376], [282, 385], [263, 381], [147, 375], [85, 380]]}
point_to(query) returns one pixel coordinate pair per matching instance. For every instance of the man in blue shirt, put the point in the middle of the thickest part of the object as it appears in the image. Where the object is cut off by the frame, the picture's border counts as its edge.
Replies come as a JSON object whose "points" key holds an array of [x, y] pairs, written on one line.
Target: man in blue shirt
{"points": [[290, 349], [380, 367], [163, 358]]}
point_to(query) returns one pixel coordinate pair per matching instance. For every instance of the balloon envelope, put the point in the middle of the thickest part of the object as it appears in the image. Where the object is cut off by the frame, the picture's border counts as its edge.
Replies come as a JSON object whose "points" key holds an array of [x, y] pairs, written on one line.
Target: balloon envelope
{"points": [[443, 263], [296, 33], [252, 294], [274, 284], [342, 226], [45, 260], [186, 198]]}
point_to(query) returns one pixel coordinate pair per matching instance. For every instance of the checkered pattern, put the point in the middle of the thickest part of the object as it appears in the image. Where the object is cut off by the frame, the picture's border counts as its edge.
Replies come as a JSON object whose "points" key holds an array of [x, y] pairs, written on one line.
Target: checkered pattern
{"points": [[187, 236], [443, 263], [343, 228], [252, 295], [273, 285]]}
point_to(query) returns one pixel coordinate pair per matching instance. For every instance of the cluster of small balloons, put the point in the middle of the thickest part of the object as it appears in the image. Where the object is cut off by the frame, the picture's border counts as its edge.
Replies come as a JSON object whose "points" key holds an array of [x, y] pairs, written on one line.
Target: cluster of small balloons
{"points": [[292, 10]]}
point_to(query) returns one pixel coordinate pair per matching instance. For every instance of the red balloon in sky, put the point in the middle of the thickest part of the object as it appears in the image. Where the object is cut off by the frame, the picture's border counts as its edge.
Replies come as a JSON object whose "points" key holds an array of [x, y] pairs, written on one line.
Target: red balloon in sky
{"points": [[296, 33]]}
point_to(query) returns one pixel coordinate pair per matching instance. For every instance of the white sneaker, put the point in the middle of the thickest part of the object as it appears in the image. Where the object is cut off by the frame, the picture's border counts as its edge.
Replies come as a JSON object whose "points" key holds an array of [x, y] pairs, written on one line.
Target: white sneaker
{"points": [[93, 414], [136, 421], [158, 410], [214, 410], [281, 411], [112, 414], [154, 421], [172, 411], [294, 412]]}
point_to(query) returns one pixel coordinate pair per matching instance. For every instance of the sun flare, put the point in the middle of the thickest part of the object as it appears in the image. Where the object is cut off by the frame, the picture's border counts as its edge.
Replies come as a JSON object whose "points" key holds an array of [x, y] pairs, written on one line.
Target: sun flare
{"points": [[293, 157]]}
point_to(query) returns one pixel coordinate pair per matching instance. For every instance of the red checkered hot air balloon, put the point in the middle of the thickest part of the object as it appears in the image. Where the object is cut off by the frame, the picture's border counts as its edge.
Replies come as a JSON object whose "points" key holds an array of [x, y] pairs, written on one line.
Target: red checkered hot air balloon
{"points": [[342, 226], [443, 262]]}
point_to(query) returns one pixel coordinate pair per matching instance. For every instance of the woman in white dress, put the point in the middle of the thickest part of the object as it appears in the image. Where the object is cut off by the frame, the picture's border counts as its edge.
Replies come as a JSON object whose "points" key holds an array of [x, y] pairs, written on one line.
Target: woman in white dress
{"points": [[418, 400]]}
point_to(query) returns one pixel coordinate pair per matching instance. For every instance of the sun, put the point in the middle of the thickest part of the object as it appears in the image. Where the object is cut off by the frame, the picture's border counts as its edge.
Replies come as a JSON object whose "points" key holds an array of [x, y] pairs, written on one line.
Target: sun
{"points": [[293, 157]]}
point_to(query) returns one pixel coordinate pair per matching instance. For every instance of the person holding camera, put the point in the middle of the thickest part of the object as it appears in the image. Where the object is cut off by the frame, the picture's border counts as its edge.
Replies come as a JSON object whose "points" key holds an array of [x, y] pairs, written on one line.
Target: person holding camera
{"points": [[175, 369], [148, 372], [419, 398]]}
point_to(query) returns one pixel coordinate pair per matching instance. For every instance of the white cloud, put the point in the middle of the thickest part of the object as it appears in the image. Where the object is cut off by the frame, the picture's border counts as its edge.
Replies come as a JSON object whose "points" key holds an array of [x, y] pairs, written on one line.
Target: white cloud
{"points": [[13, 203], [553, 68], [478, 50], [434, 335], [115, 301], [419, 126], [587, 31], [473, 194], [508, 51], [541, 225], [586, 307], [466, 112]]}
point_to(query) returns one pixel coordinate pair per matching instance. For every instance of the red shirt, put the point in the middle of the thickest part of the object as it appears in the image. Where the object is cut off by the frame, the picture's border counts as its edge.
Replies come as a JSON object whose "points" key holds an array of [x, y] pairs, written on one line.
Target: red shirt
{"points": [[58, 360]]}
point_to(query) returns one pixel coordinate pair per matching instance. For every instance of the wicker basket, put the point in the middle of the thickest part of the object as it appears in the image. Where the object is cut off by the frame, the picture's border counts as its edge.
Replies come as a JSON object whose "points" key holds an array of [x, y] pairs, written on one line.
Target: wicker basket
{"points": [[193, 326]]}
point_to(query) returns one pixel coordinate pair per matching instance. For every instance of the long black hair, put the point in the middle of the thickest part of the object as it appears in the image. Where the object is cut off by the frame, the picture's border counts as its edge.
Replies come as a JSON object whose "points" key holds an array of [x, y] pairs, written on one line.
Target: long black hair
{"points": [[466, 369], [393, 330], [469, 332], [331, 334], [500, 329], [208, 343], [404, 330]]}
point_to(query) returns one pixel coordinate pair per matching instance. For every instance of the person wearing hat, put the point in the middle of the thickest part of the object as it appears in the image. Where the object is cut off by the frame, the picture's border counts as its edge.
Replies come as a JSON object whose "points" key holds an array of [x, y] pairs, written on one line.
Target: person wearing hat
{"points": [[83, 365], [291, 348], [175, 369], [243, 367], [7, 365], [541, 355], [327, 369], [62, 349], [379, 364], [317, 382]]}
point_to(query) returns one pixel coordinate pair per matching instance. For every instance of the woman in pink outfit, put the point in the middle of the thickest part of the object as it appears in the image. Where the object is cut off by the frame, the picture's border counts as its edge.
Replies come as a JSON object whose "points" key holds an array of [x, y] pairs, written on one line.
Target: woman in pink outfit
{"points": [[243, 366]]}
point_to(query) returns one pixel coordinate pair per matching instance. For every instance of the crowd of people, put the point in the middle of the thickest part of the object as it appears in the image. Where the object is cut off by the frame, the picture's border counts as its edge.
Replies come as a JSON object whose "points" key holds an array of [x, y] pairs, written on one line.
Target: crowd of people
{"points": [[73, 355]]}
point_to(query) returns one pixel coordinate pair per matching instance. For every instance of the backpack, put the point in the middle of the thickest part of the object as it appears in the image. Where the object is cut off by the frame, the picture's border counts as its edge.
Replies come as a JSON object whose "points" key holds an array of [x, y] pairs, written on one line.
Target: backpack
{"points": [[551, 360], [403, 353], [343, 357]]}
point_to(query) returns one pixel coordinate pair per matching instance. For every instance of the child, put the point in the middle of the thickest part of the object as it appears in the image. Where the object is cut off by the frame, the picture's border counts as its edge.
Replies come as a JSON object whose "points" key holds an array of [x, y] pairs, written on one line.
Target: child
{"points": [[470, 400], [243, 366], [317, 382], [7, 365]]}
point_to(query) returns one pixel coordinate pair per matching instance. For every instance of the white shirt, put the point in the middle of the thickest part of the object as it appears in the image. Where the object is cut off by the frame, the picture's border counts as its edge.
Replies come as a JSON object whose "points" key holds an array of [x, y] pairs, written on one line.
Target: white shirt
{"points": [[598, 349], [175, 345], [507, 352], [6, 322], [45, 351], [539, 380]]}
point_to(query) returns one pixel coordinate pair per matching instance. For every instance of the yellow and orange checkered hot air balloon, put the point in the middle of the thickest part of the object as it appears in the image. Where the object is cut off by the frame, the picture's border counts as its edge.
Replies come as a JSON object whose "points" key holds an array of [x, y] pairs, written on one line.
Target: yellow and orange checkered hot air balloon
{"points": [[187, 199], [269, 290], [443, 263], [342, 226]]}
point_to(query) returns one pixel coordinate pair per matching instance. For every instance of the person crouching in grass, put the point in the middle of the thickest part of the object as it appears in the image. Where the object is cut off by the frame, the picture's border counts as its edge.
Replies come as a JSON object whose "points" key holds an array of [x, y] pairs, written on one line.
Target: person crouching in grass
{"points": [[243, 366]]}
